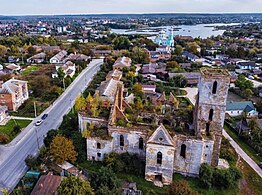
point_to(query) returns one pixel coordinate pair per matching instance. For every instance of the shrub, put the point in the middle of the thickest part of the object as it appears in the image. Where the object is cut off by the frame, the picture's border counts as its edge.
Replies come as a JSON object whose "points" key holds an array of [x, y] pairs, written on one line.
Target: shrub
{"points": [[125, 162], [4, 138], [180, 188], [218, 178]]}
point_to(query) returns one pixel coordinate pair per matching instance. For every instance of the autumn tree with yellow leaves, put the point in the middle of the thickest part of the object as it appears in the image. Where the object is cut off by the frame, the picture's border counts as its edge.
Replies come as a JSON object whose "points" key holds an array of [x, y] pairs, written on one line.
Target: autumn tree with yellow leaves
{"points": [[62, 149]]}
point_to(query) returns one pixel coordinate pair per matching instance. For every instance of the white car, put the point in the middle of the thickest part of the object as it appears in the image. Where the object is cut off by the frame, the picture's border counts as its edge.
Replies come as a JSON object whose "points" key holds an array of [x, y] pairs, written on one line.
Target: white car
{"points": [[39, 122]]}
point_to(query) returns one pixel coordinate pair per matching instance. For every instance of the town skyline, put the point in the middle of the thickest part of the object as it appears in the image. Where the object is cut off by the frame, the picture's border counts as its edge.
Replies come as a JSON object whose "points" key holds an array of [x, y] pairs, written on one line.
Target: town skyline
{"points": [[49, 7]]}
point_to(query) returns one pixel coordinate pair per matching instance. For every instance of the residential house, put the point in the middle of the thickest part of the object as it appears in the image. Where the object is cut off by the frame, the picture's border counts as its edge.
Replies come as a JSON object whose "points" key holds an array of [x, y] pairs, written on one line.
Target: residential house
{"points": [[192, 78], [47, 184], [3, 113], [68, 68], [163, 48], [101, 52], [238, 108], [10, 68], [13, 93], [185, 65], [37, 59], [247, 65], [13, 59], [157, 55], [259, 56], [77, 57], [122, 62], [67, 169], [149, 88], [190, 56], [243, 125], [59, 58]]}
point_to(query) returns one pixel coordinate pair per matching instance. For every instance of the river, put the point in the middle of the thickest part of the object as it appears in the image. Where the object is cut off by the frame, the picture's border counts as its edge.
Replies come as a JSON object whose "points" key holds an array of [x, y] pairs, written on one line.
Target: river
{"points": [[199, 30]]}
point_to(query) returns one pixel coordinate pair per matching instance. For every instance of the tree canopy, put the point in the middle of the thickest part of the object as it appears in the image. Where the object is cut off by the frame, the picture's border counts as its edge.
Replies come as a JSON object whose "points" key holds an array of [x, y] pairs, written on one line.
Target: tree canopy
{"points": [[62, 149], [74, 185]]}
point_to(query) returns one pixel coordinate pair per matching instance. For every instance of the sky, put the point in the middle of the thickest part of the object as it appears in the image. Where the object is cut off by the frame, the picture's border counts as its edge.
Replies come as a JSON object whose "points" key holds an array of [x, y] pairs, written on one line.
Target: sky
{"points": [[56, 7]]}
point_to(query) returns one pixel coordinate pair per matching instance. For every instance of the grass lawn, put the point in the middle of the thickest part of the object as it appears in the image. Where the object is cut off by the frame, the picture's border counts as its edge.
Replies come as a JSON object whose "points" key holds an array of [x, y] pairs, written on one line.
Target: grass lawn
{"points": [[8, 129], [30, 69], [251, 182], [249, 150], [195, 185]]}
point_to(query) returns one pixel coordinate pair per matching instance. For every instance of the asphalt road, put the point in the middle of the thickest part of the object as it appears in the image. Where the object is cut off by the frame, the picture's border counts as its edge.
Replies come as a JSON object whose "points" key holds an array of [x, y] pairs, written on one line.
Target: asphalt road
{"points": [[12, 156], [243, 155]]}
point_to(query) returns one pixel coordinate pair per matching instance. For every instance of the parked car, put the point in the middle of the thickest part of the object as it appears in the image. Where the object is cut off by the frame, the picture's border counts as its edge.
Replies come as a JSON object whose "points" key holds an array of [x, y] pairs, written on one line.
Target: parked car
{"points": [[44, 116], [260, 165], [39, 122]]}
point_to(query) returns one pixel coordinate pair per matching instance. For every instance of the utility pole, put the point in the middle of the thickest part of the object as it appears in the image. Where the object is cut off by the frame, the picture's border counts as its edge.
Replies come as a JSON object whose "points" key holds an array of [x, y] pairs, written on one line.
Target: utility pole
{"points": [[35, 109]]}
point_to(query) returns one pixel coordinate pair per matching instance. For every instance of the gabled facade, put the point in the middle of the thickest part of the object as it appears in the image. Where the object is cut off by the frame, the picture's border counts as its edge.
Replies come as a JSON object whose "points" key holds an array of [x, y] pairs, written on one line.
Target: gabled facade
{"points": [[59, 58]]}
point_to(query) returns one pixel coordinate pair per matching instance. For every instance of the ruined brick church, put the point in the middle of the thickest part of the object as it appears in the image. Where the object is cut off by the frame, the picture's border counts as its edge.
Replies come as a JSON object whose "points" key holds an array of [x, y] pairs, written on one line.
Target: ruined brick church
{"points": [[163, 152]]}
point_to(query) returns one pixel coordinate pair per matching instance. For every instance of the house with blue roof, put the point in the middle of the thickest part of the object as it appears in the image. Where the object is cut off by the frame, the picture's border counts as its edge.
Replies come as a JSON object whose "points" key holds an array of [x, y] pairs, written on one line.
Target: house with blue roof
{"points": [[190, 56], [238, 108]]}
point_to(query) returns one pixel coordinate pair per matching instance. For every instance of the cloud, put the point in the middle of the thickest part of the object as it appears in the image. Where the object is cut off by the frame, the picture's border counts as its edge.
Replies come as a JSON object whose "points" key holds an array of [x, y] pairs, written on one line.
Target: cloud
{"points": [[27, 7]]}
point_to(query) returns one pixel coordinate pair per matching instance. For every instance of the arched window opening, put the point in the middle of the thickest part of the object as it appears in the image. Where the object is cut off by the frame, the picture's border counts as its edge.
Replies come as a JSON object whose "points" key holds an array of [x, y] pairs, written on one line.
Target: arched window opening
{"points": [[98, 146], [183, 151], [214, 89], [141, 143], [159, 158], [207, 129], [122, 142], [211, 113]]}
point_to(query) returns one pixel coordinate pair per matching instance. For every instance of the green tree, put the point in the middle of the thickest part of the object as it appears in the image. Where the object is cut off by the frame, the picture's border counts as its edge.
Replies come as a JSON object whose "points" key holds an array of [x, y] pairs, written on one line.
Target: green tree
{"points": [[172, 64], [105, 178], [206, 175], [121, 42], [49, 137], [75, 186], [243, 83], [62, 149], [137, 90], [140, 56], [248, 93], [178, 50], [3, 50]]}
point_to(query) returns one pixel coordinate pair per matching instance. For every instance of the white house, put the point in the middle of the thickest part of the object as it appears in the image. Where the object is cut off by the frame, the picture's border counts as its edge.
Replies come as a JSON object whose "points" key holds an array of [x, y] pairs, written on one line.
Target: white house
{"points": [[238, 108], [149, 88], [59, 58], [68, 68]]}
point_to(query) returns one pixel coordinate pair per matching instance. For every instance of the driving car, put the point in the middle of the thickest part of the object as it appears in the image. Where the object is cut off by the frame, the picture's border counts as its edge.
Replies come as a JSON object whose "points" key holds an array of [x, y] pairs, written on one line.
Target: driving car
{"points": [[44, 116], [39, 122]]}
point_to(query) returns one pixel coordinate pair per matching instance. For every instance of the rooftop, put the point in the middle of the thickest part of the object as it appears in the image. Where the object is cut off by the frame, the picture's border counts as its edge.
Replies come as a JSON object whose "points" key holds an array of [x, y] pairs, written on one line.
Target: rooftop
{"points": [[47, 184], [208, 72]]}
